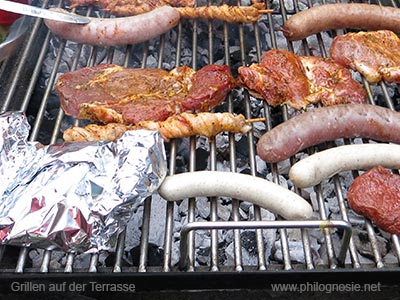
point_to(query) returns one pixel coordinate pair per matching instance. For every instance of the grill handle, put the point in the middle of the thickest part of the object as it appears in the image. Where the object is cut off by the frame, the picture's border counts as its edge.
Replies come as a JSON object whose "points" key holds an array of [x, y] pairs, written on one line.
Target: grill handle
{"points": [[284, 224]]}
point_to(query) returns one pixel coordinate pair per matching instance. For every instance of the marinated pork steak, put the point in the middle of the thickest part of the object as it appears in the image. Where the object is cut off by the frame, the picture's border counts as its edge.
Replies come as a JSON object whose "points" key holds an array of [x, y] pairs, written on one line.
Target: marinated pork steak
{"points": [[332, 84], [132, 7], [375, 54], [279, 78], [376, 195], [284, 78], [110, 93]]}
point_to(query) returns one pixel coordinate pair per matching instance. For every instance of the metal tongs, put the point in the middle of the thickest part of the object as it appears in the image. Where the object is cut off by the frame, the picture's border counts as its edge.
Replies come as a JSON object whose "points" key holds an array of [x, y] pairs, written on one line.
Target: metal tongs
{"points": [[29, 10]]}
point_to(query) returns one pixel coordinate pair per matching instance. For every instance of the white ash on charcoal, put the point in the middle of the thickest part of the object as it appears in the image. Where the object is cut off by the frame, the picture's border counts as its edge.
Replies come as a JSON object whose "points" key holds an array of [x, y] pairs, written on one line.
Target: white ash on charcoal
{"points": [[133, 230], [296, 247], [363, 243], [390, 258], [36, 258]]}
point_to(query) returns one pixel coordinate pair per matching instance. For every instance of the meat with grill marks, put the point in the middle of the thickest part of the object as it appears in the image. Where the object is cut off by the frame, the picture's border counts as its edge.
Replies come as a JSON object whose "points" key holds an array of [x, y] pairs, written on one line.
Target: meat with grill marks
{"points": [[285, 78], [375, 54], [109, 93]]}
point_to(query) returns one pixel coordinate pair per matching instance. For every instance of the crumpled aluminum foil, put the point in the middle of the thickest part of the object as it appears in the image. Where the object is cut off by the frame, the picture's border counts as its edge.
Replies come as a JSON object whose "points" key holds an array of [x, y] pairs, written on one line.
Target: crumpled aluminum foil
{"points": [[74, 196]]}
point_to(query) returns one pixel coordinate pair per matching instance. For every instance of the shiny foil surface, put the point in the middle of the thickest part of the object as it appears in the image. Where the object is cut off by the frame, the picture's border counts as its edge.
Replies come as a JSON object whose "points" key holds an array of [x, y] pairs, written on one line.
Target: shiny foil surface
{"points": [[73, 196]]}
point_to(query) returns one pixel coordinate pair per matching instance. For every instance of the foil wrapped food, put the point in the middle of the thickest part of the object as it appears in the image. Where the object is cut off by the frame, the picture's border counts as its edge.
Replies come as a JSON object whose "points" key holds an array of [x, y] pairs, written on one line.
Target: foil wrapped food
{"points": [[73, 196]]}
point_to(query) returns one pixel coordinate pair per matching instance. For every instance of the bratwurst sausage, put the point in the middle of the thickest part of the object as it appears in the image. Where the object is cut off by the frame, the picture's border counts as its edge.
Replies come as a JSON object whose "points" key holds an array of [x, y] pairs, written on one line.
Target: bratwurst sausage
{"points": [[325, 164], [117, 31], [261, 192], [339, 16], [327, 124]]}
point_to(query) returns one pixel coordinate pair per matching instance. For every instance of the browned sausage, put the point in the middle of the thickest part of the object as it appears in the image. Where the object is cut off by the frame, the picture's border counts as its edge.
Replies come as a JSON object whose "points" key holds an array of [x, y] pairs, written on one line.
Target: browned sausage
{"points": [[327, 124], [117, 31], [339, 16]]}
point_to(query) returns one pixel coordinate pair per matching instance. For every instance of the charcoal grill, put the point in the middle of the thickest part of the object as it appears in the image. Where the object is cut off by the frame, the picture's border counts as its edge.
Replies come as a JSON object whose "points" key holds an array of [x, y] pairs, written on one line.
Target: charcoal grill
{"points": [[24, 88]]}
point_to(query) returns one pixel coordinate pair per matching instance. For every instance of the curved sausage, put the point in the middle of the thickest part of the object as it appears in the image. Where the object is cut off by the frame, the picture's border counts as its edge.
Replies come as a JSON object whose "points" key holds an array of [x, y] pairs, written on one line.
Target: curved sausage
{"points": [[327, 124], [256, 190], [117, 31], [325, 164], [339, 16]]}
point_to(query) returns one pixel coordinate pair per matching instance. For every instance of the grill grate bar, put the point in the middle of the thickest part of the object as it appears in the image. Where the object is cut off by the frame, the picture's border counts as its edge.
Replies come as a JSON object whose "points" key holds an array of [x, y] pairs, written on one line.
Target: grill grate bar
{"points": [[42, 109], [374, 244], [93, 263], [69, 263], [352, 249], [213, 166], [237, 246], [169, 220], [396, 244], [327, 236], [44, 268], [119, 252], [21, 260]]}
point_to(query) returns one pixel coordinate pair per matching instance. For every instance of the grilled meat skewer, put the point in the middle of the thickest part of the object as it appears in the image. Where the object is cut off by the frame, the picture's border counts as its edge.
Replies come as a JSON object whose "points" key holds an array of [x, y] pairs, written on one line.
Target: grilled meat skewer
{"points": [[228, 13], [183, 125]]}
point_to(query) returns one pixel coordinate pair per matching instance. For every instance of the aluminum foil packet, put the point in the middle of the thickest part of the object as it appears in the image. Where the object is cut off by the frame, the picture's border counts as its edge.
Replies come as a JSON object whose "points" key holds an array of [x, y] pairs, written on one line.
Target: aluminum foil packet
{"points": [[73, 196]]}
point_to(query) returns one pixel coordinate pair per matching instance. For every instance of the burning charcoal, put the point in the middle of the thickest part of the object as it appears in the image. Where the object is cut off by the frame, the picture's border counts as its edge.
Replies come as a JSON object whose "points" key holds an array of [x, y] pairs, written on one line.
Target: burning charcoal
{"points": [[296, 251], [36, 256], [228, 236], [202, 239], [57, 260], [203, 207], [175, 256], [223, 212], [245, 206], [203, 256], [133, 232], [248, 239], [390, 258], [154, 255], [247, 258], [157, 221], [82, 261], [281, 180], [243, 214], [201, 159], [332, 205], [183, 208], [296, 248], [363, 244], [151, 62]]}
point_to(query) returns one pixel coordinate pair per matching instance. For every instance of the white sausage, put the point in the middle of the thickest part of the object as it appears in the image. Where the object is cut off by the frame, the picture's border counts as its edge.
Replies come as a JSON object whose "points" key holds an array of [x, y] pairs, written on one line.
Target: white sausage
{"points": [[117, 31], [325, 164], [261, 192]]}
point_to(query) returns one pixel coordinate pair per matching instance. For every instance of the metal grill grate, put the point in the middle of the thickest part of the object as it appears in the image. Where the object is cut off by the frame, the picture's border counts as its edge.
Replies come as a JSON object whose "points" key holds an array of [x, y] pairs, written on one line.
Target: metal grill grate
{"points": [[23, 89]]}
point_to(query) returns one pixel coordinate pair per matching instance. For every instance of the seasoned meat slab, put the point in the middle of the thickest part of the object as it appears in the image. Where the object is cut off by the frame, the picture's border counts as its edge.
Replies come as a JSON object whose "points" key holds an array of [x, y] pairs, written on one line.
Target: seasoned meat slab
{"points": [[284, 78], [110, 93], [376, 195], [375, 54], [331, 83]]}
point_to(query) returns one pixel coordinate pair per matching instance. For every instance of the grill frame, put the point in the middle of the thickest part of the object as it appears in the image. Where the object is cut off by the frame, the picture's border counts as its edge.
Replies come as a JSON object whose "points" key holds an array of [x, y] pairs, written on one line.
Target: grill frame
{"points": [[168, 276]]}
